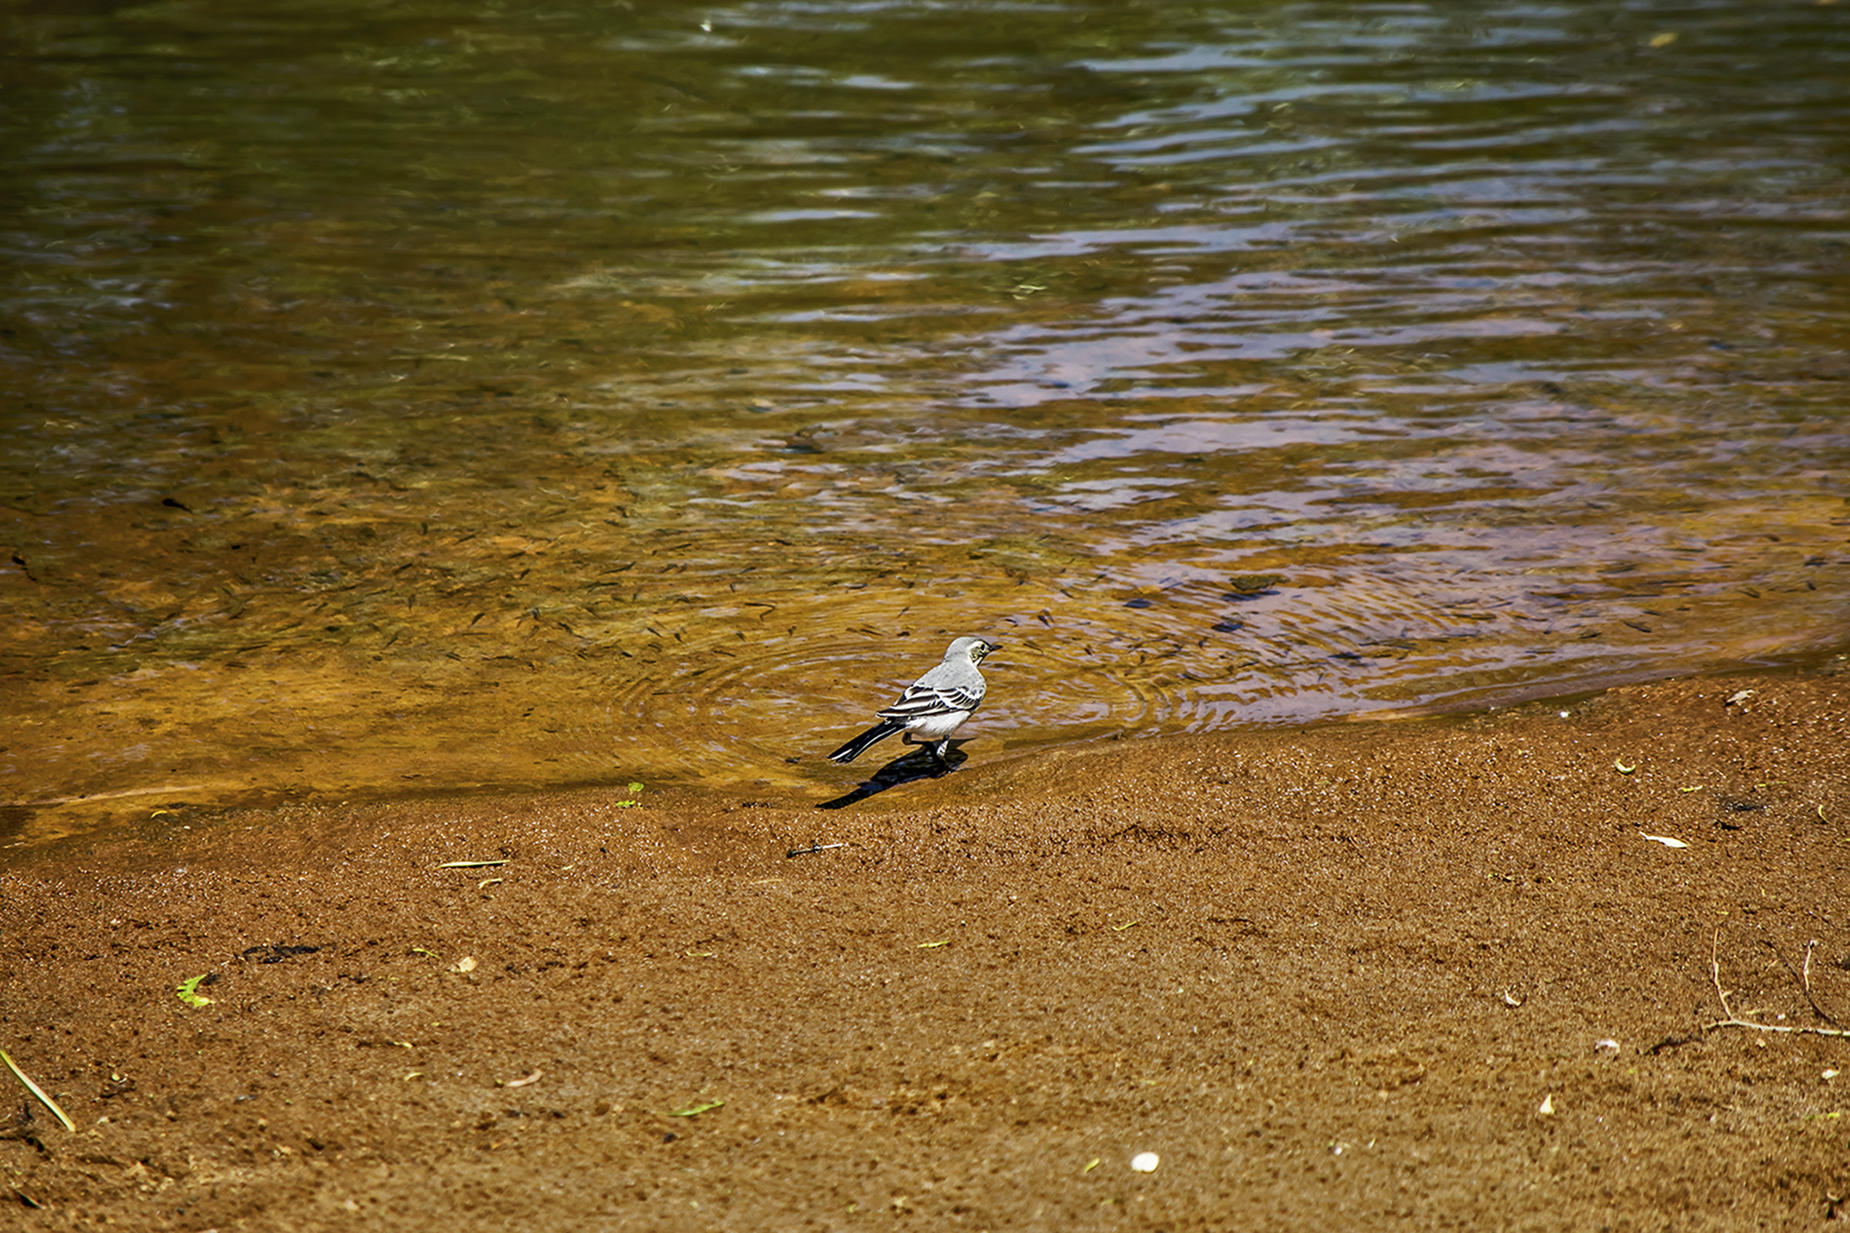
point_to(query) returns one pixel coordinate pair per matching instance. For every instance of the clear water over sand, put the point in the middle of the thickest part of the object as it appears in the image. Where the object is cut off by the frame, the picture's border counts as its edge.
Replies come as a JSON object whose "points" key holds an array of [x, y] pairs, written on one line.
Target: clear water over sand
{"points": [[594, 393]]}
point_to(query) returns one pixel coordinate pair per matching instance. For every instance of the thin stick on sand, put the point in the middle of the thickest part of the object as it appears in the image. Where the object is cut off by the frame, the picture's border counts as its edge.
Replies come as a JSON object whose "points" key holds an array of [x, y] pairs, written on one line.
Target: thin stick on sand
{"points": [[38, 1091], [1734, 1020]]}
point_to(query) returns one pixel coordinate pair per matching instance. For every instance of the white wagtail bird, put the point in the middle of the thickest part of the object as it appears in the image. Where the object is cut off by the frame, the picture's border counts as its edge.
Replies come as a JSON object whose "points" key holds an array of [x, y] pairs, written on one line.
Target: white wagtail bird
{"points": [[934, 706]]}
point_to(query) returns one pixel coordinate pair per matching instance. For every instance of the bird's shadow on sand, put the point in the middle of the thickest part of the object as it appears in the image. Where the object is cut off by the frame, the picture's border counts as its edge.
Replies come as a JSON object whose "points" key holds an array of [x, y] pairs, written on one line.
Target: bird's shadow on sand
{"points": [[905, 769]]}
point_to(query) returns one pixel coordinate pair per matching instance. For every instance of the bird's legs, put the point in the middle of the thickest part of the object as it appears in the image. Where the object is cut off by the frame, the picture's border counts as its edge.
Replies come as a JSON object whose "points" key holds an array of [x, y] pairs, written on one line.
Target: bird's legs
{"points": [[937, 751]]}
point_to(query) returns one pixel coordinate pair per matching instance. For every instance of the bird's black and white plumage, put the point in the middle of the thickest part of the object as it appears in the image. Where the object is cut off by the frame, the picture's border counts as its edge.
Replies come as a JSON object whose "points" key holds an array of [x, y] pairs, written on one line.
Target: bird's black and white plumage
{"points": [[934, 706]]}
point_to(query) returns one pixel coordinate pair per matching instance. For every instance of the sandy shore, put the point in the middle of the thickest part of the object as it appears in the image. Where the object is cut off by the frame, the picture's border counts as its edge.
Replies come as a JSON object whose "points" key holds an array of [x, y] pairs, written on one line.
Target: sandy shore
{"points": [[1426, 974]]}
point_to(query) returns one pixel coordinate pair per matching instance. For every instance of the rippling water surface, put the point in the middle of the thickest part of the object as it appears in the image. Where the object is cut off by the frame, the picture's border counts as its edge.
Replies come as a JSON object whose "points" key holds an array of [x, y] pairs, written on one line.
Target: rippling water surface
{"points": [[440, 394]]}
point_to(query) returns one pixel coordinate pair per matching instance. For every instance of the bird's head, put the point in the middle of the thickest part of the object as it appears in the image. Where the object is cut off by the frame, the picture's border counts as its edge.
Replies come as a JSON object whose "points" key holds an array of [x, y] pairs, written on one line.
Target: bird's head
{"points": [[974, 649]]}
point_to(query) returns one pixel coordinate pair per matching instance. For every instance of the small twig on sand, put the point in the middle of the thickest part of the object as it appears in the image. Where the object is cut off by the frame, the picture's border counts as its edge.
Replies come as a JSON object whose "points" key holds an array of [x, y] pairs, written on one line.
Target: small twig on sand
{"points": [[39, 1092], [1803, 976], [813, 848], [1734, 1020]]}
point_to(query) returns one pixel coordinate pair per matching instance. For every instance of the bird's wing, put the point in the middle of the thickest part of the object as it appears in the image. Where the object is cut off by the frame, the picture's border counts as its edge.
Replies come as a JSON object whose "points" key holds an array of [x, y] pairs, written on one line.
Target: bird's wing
{"points": [[928, 696]]}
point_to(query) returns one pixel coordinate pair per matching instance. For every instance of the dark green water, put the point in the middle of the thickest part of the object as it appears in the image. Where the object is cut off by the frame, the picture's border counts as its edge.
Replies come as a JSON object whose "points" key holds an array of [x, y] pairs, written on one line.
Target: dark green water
{"points": [[427, 395]]}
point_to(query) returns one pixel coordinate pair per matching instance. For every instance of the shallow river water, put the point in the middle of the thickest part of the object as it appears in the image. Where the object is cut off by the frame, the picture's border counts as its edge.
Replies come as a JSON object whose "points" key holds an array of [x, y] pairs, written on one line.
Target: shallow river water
{"points": [[429, 395]]}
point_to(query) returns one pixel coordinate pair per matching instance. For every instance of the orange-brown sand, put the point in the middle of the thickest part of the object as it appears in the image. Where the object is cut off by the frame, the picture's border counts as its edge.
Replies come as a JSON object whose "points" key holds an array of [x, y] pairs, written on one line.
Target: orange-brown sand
{"points": [[1433, 974]]}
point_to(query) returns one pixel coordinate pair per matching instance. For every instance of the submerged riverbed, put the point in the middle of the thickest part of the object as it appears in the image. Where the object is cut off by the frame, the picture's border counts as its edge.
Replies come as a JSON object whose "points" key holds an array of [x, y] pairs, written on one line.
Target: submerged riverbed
{"points": [[450, 397]]}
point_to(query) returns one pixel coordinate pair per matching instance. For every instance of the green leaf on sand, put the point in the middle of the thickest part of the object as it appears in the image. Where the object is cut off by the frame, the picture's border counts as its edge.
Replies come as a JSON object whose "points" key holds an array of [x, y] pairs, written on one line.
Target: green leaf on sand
{"points": [[697, 1110]]}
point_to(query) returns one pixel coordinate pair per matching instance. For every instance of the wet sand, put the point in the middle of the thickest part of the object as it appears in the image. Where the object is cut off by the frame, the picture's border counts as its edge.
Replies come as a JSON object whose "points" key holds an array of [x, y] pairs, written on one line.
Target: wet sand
{"points": [[1426, 974]]}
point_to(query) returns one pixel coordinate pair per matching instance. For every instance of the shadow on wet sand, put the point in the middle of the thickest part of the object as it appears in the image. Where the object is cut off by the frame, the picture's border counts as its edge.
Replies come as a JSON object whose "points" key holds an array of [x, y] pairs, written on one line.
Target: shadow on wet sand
{"points": [[907, 768]]}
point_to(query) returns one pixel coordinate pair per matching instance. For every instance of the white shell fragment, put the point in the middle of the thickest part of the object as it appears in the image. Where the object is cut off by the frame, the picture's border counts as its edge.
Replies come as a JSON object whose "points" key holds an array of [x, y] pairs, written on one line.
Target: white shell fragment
{"points": [[1145, 1162], [1666, 840], [1608, 1043], [1548, 1106]]}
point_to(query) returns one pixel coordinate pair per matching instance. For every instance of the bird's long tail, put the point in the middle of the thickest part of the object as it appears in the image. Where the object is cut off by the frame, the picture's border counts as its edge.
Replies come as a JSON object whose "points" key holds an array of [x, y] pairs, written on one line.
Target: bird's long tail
{"points": [[873, 736]]}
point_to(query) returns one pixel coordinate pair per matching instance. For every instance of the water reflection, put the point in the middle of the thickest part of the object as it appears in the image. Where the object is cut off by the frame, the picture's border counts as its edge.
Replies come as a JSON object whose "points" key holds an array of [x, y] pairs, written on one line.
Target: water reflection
{"points": [[446, 397]]}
